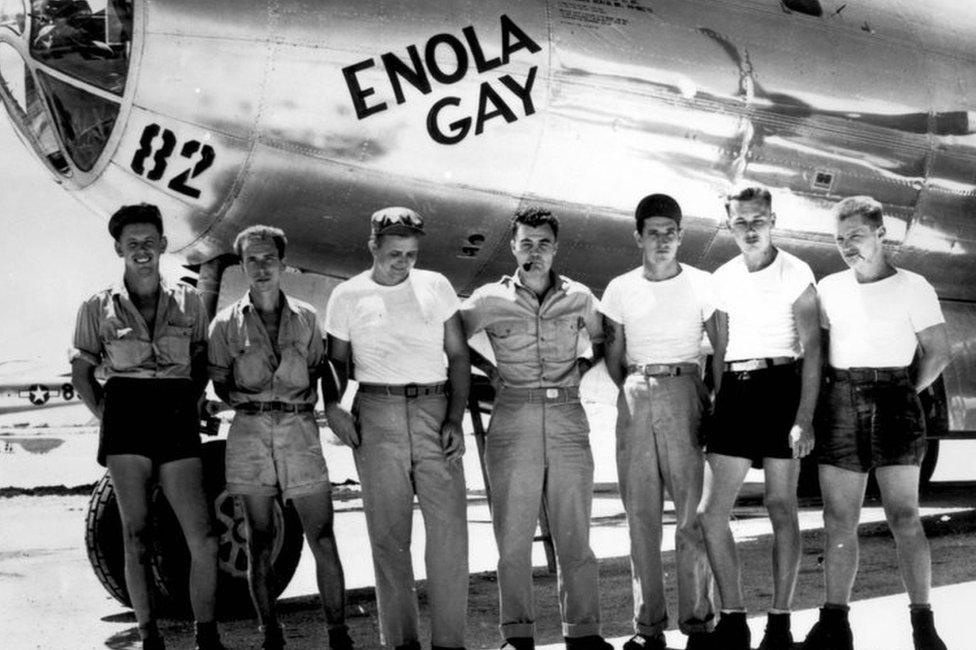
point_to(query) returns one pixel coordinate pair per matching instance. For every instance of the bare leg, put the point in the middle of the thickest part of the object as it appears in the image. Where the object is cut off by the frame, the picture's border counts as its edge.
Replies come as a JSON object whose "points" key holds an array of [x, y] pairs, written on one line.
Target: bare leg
{"points": [[130, 477], [182, 483], [259, 512], [315, 511], [899, 494], [780, 498], [843, 494], [723, 478]]}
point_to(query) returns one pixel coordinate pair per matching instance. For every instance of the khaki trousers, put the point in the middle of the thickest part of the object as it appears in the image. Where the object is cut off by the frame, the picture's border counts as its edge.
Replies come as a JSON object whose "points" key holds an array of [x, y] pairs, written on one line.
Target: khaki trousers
{"points": [[538, 448], [400, 455], [658, 448]]}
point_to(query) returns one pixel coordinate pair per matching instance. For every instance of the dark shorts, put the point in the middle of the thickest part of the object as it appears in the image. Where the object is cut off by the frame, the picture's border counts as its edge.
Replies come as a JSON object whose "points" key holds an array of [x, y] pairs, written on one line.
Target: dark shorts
{"points": [[155, 418], [861, 424], [754, 412]]}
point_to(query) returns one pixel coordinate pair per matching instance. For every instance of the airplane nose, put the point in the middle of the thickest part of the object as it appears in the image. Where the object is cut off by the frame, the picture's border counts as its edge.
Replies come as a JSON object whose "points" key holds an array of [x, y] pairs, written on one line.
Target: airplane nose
{"points": [[79, 64]]}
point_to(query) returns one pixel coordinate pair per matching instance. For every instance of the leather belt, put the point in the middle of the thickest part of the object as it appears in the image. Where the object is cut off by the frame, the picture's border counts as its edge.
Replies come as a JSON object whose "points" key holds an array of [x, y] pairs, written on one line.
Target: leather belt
{"points": [[749, 365], [542, 394], [404, 390], [664, 369], [284, 407], [869, 374]]}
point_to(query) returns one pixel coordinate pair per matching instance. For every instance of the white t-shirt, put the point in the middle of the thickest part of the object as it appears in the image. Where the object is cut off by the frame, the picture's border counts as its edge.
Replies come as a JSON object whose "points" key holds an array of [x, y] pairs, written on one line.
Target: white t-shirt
{"points": [[873, 325], [663, 321], [397, 333], [760, 306]]}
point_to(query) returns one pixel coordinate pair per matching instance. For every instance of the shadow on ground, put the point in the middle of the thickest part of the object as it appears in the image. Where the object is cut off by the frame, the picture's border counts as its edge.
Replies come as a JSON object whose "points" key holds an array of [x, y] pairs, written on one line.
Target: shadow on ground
{"points": [[952, 537]]}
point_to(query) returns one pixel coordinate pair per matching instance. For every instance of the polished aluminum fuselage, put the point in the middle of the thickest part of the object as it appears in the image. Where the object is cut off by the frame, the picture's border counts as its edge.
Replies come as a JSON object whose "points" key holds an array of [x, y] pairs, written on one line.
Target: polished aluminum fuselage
{"points": [[685, 97]]}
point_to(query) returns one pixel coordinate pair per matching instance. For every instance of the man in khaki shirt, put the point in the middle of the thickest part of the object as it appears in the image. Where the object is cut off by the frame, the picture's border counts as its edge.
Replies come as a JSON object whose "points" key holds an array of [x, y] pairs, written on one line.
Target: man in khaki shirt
{"points": [[150, 339], [266, 356], [538, 445]]}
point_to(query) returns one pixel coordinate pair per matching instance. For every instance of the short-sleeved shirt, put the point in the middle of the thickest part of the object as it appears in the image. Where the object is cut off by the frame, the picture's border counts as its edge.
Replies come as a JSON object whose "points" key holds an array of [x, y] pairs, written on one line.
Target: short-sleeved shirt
{"points": [[111, 333], [663, 320], [874, 324], [760, 306], [396, 332], [240, 349], [535, 342]]}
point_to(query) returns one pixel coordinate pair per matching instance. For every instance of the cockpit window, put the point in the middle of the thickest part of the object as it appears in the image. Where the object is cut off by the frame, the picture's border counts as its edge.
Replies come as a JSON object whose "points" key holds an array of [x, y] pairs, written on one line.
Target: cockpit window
{"points": [[28, 106], [84, 120], [12, 15], [87, 40]]}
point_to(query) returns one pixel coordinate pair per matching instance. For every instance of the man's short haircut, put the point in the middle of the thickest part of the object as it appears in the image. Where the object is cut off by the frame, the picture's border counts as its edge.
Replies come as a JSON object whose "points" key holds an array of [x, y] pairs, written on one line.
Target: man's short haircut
{"points": [[535, 216], [138, 213], [748, 193], [867, 207], [277, 235], [656, 205]]}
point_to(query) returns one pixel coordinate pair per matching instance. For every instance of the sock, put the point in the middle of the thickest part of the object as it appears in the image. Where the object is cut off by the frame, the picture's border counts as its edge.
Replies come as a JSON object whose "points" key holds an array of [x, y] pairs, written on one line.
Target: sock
{"points": [[778, 621]]}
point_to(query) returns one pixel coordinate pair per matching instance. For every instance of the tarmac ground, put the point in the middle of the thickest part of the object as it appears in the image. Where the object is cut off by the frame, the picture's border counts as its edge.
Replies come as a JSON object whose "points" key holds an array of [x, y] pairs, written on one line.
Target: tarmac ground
{"points": [[52, 599]]}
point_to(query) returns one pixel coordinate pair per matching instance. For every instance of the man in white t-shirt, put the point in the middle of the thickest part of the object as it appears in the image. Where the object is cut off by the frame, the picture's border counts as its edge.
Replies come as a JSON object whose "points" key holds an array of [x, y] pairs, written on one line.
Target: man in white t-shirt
{"points": [[400, 330], [653, 319], [876, 319], [767, 369]]}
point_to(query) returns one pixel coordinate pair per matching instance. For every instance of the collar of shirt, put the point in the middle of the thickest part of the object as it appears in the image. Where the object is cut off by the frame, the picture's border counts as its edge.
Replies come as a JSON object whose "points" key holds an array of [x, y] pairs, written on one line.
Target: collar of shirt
{"points": [[284, 306], [556, 283], [119, 288]]}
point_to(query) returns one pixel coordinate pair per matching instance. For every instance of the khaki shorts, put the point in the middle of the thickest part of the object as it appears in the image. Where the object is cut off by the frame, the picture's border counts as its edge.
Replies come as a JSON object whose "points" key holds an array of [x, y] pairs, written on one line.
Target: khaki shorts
{"points": [[272, 452]]}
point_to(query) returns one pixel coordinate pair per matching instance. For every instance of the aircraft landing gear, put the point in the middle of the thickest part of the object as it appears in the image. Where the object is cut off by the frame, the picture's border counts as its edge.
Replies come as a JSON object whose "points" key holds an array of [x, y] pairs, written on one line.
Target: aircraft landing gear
{"points": [[170, 557]]}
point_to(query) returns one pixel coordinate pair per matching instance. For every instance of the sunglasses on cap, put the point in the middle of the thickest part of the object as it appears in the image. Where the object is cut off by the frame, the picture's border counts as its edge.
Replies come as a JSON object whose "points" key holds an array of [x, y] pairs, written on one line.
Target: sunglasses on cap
{"points": [[397, 221]]}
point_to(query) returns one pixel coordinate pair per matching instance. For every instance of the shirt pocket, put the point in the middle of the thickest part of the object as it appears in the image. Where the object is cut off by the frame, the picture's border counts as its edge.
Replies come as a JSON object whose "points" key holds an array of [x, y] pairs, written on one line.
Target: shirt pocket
{"points": [[510, 340], [253, 369], [124, 349], [173, 345], [562, 338], [293, 368]]}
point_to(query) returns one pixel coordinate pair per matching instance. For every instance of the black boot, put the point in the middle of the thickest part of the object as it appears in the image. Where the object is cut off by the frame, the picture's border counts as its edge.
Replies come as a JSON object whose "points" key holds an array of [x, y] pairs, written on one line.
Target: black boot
{"points": [[832, 631], [777, 636], [923, 630], [274, 637], [207, 636], [732, 632], [700, 641], [591, 642], [409, 645], [519, 643], [644, 642], [339, 638]]}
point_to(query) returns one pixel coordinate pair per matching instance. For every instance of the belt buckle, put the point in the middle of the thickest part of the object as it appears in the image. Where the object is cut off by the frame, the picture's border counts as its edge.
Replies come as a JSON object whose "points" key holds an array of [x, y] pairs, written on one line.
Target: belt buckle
{"points": [[745, 375], [674, 371], [411, 390], [552, 393]]}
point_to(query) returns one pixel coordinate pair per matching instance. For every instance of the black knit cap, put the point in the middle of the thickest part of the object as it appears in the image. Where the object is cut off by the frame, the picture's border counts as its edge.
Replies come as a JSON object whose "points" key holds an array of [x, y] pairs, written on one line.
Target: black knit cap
{"points": [[657, 205]]}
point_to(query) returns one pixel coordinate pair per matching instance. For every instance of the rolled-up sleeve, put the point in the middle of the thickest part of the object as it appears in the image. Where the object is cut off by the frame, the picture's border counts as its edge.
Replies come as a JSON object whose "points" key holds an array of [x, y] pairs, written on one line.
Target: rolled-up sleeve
{"points": [[593, 319], [473, 315], [219, 359], [87, 342]]}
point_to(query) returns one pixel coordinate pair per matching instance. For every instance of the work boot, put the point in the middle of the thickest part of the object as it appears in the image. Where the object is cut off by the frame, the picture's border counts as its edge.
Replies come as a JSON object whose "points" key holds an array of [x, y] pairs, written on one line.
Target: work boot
{"points": [[591, 642], [923, 630], [699, 641], [519, 643], [777, 636], [274, 637], [732, 632], [207, 636], [339, 638], [409, 645], [644, 642], [832, 631]]}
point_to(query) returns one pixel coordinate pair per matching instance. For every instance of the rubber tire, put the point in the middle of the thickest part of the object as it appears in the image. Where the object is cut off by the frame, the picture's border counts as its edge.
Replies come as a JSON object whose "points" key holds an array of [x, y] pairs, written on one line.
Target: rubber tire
{"points": [[170, 555], [103, 540]]}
